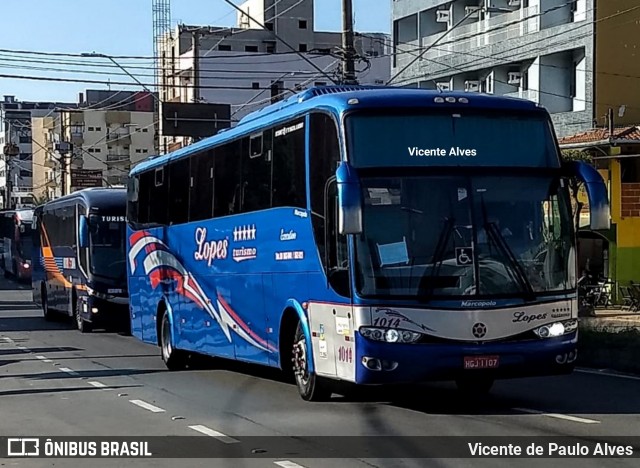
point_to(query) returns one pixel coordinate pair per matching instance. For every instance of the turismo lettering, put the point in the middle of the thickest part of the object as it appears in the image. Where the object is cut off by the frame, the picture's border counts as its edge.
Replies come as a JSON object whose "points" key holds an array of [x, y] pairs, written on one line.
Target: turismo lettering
{"points": [[209, 250]]}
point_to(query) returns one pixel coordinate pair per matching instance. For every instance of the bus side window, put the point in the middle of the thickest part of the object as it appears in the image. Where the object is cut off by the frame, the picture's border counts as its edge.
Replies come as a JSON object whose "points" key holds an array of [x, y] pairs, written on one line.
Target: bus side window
{"points": [[288, 185], [324, 158]]}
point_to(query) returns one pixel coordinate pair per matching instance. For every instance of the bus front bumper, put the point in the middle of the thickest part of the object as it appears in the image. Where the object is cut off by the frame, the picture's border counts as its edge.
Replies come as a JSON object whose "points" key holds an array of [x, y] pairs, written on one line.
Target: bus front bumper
{"points": [[105, 312], [387, 363]]}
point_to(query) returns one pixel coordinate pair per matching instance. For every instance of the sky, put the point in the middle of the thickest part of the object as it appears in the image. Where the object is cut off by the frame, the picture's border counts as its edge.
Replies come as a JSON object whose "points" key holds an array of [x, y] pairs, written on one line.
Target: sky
{"points": [[119, 27]]}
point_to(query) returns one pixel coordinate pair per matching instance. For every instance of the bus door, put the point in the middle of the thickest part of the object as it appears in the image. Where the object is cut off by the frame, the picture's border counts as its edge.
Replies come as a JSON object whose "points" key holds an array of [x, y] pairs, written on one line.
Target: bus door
{"points": [[332, 322]]}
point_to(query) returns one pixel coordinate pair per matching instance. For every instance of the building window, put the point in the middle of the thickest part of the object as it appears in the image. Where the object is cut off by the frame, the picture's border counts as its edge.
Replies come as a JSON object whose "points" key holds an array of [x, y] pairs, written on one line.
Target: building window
{"points": [[91, 129], [302, 24], [320, 83], [269, 26], [138, 151], [251, 48], [145, 130], [145, 150], [302, 47], [98, 129], [25, 139], [255, 85], [25, 173], [224, 47]]}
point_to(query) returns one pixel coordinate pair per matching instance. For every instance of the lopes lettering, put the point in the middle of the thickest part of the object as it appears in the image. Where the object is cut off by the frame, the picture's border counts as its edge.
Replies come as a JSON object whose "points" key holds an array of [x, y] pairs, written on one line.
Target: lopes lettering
{"points": [[209, 250]]}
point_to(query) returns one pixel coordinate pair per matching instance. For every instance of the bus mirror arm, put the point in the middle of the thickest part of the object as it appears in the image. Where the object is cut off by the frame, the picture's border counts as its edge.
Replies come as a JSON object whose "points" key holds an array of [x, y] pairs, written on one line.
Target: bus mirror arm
{"points": [[83, 232], [349, 200], [597, 193]]}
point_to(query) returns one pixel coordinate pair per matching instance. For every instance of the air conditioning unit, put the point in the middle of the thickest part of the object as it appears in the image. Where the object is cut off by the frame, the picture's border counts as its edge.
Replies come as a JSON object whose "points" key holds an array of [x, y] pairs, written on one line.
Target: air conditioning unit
{"points": [[443, 86], [515, 3], [472, 86], [442, 16], [472, 11], [515, 78]]}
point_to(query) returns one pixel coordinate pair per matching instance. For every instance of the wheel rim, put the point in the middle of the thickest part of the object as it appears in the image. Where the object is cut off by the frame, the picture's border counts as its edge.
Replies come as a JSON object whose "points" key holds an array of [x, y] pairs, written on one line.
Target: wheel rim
{"points": [[166, 340], [300, 367]]}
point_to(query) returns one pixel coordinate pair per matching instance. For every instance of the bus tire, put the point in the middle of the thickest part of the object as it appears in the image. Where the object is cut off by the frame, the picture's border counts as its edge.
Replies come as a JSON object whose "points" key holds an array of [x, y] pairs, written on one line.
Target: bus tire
{"points": [[46, 312], [174, 359], [475, 385], [82, 324], [310, 386]]}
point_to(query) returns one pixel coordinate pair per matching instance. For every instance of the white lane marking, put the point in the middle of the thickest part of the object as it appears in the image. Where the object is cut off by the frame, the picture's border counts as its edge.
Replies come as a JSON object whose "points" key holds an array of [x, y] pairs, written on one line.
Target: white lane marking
{"points": [[147, 406], [288, 464], [42, 358], [559, 416], [607, 374], [47, 360], [68, 371], [7, 339], [97, 384], [215, 434]]}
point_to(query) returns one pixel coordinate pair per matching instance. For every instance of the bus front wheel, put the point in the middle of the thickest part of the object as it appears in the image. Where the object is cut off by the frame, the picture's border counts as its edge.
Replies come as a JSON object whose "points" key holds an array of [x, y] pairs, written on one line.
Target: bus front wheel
{"points": [[82, 324], [174, 359], [310, 386]]}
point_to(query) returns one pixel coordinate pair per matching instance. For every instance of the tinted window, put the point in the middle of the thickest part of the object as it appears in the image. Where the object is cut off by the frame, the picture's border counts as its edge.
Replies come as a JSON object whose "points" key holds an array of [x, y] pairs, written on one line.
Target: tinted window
{"points": [[289, 174], [158, 197], [323, 162], [201, 201], [179, 184], [256, 173], [228, 177]]}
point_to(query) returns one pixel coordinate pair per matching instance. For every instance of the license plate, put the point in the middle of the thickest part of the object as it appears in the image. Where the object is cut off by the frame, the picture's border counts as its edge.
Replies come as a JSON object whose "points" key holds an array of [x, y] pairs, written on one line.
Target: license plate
{"points": [[481, 362]]}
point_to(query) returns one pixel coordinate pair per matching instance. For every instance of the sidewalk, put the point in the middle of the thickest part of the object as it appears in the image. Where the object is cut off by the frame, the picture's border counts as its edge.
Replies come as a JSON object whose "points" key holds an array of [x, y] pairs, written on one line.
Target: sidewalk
{"points": [[612, 319]]}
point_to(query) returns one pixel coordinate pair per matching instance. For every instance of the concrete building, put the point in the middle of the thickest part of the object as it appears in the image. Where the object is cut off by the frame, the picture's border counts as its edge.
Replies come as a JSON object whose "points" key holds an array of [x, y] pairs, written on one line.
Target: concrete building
{"points": [[246, 66], [108, 131], [17, 171], [543, 50]]}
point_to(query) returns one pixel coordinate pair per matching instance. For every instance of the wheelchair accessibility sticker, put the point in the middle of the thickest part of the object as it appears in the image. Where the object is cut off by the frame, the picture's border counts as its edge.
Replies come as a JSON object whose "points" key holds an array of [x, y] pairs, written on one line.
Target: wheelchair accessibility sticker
{"points": [[464, 256]]}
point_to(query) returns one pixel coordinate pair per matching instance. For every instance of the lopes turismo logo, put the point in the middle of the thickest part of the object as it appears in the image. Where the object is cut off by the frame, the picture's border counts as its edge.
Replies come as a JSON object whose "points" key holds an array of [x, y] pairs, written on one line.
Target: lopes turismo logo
{"points": [[209, 250]]}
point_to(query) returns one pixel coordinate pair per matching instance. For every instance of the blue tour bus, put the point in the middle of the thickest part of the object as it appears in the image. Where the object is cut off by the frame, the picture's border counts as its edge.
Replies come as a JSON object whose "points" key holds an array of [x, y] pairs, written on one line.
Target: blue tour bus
{"points": [[368, 235], [79, 258]]}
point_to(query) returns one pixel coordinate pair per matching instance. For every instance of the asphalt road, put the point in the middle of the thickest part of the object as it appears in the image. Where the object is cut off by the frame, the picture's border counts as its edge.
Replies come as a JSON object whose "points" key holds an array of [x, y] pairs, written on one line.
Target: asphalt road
{"points": [[55, 381]]}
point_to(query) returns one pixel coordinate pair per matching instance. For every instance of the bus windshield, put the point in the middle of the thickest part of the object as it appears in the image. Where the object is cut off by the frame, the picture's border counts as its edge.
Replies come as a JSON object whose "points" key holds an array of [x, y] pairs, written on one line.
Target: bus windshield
{"points": [[461, 236], [107, 247], [450, 138]]}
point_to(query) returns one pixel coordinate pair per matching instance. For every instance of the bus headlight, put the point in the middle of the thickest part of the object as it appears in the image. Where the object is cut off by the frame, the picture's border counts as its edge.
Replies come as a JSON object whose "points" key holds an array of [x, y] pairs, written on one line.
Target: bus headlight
{"points": [[389, 335], [552, 330]]}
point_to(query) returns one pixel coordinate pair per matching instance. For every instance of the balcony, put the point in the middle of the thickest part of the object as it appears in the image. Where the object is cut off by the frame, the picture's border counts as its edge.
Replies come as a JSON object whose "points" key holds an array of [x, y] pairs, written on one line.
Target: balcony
{"points": [[118, 117], [118, 158], [119, 137], [77, 137], [50, 161], [489, 31], [528, 94]]}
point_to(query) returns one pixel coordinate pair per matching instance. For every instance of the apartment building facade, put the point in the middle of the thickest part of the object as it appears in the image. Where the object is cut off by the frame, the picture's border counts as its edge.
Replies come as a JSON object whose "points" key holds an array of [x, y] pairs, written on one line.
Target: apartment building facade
{"points": [[575, 57], [16, 171], [246, 66], [109, 132]]}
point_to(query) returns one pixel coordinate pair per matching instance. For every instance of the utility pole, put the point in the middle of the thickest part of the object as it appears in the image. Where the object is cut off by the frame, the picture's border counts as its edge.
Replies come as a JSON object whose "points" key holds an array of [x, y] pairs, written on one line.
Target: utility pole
{"points": [[349, 51], [10, 151], [63, 148], [195, 41]]}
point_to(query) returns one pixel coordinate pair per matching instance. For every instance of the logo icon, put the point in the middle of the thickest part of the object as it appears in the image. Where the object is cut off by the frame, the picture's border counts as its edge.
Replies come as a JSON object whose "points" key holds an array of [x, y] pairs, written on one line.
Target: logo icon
{"points": [[464, 256], [23, 447], [288, 236], [242, 233], [479, 330]]}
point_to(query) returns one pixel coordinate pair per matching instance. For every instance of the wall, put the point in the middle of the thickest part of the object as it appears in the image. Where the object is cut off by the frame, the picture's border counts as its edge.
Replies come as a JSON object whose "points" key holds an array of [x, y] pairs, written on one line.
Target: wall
{"points": [[628, 232], [617, 60]]}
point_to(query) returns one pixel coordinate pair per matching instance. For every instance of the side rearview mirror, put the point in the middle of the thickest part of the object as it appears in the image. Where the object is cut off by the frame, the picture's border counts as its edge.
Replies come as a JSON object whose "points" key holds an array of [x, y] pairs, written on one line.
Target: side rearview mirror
{"points": [[349, 200], [83, 232], [597, 193]]}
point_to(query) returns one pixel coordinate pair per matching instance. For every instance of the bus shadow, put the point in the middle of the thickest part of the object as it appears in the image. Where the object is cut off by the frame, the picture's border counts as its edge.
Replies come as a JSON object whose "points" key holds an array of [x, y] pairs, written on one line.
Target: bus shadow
{"points": [[7, 352], [82, 374], [40, 391], [24, 324]]}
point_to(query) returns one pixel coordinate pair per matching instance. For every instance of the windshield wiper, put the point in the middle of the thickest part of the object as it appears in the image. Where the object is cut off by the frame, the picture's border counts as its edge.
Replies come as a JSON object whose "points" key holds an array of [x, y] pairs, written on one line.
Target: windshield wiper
{"points": [[441, 248], [516, 268]]}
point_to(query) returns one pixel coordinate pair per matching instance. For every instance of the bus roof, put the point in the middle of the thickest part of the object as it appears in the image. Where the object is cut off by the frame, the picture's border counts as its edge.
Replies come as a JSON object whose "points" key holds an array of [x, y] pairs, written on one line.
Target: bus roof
{"points": [[105, 198], [337, 100]]}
